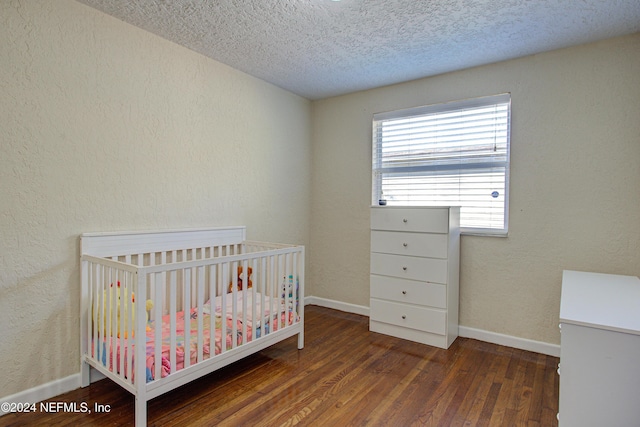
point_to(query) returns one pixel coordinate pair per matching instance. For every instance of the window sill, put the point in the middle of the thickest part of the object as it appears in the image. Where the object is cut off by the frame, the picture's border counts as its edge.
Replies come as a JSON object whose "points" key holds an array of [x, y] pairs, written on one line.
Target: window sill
{"points": [[482, 233]]}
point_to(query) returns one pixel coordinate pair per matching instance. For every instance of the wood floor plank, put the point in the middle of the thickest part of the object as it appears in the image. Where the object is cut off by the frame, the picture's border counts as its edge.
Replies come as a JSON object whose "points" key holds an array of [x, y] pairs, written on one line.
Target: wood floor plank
{"points": [[537, 387], [345, 375], [389, 406], [468, 385], [378, 379]]}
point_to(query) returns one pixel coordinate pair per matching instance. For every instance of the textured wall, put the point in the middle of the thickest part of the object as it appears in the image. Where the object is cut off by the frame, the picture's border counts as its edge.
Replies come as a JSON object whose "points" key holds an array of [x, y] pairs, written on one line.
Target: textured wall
{"points": [[575, 177], [107, 127]]}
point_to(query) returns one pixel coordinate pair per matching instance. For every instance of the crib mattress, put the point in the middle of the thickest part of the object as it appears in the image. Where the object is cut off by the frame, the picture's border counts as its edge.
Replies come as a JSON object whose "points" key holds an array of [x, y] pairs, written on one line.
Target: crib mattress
{"points": [[242, 333]]}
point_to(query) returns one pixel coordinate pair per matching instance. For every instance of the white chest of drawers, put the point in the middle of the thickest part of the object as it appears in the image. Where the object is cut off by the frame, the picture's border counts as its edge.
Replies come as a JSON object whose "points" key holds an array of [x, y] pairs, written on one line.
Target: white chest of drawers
{"points": [[599, 350], [414, 278]]}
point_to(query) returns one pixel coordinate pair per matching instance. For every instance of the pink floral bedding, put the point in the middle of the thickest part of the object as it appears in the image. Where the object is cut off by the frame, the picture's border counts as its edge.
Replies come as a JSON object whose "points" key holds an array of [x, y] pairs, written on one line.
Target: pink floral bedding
{"points": [[262, 326]]}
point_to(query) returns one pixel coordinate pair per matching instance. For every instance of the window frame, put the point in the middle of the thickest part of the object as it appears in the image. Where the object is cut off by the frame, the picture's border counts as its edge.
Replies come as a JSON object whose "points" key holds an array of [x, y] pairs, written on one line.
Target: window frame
{"points": [[504, 98]]}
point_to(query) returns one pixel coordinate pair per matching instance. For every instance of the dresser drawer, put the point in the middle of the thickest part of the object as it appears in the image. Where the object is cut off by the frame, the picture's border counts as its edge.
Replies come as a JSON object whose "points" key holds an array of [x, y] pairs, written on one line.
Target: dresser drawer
{"points": [[409, 291], [420, 318], [434, 220], [414, 244], [409, 267]]}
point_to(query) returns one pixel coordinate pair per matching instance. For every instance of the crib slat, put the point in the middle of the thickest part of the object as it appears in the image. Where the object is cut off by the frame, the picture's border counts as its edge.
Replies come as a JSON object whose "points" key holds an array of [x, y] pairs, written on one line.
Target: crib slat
{"points": [[213, 274], [234, 305], [157, 322], [130, 350], [151, 278], [245, 292], [172, 311], [223, 307], [295, 283], [273, 289], [279, 282], [105, 320], [187, 315], [110, 320], [102, 317], [121, 321], [200, 304], [263, 309], [160, 294], [92, 321], [287, 275], [254, 299]]}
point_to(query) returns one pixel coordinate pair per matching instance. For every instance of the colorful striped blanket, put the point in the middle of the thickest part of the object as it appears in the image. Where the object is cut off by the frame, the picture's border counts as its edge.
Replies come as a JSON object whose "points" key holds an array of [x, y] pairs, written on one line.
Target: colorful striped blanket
{"points": [[241, 333]]}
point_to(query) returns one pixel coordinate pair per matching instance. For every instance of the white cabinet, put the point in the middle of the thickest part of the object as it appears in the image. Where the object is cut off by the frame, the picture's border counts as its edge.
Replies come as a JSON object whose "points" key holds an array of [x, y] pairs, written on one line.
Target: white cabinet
{"points": [[414, 279], [599, 350]]}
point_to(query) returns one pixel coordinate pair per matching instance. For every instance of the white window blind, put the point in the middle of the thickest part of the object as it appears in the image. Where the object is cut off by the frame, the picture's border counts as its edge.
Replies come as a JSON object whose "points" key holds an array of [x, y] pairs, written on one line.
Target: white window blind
{"points": [[453, 154]]}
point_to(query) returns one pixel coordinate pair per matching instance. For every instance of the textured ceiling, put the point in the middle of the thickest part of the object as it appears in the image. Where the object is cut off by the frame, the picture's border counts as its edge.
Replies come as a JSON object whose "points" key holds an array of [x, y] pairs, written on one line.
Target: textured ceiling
{"points": [[322, 48]]}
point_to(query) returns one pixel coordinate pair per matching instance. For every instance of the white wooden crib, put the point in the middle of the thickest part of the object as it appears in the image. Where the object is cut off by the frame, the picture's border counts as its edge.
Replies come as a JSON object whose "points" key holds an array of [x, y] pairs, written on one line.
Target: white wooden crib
{"points": [[187, 294]]}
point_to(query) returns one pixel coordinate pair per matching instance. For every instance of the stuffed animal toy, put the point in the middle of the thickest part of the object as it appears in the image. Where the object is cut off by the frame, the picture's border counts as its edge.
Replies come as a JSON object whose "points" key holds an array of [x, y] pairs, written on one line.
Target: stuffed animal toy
{"points": [[241, 280], [107, 304], [287, 290], [287, 286]]}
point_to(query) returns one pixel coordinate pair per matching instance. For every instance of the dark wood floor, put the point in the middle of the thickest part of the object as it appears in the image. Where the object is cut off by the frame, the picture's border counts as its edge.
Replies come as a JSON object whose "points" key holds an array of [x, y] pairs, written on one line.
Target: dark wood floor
{"points": [[345, 376]]}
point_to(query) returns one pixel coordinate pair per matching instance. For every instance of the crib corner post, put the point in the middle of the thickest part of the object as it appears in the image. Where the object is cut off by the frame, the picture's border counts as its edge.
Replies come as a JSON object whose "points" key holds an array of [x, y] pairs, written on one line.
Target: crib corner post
{"points": [[300, 297], [301, 333], [85, 369]]}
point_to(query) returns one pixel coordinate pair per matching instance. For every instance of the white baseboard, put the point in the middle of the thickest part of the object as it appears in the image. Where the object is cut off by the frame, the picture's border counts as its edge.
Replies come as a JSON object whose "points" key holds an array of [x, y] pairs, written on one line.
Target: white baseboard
{"points": [[44, 391], [337, 305], [50, 389], [464, 331], [510, 341]]}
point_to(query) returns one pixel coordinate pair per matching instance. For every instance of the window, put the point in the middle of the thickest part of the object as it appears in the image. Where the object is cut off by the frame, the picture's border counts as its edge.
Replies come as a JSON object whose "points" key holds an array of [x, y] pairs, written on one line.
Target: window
{"points": [[447, 154]]}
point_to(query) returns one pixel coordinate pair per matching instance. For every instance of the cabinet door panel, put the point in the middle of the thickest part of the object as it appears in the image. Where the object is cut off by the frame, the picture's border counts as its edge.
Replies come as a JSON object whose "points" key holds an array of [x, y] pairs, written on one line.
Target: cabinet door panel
{"points": [[599, 375]]}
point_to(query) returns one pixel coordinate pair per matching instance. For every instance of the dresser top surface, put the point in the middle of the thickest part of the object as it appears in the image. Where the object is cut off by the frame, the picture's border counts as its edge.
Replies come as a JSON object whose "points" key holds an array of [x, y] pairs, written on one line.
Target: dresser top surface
{"points": [[604, 301], [390, 207]]}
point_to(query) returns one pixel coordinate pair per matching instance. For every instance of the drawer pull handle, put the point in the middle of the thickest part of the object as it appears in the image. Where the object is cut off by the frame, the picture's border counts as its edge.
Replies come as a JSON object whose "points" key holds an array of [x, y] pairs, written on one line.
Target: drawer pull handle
{"points": [[404, 292], [404, 317], [405, 220], [404, 268], [405, 244]]}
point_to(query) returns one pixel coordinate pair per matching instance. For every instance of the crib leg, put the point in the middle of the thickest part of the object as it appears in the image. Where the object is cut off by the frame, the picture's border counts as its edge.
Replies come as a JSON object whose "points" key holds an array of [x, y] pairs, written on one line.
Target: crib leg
{"points": [[300, 340], [141, 412]]}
